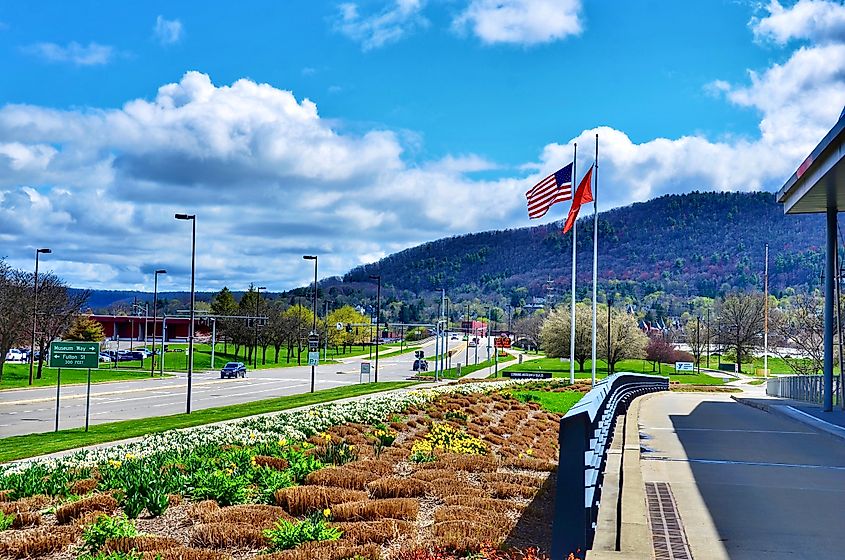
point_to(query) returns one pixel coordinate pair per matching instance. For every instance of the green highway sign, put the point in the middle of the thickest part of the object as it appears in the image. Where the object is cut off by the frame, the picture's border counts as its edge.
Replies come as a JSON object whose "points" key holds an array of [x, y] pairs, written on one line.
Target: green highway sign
{"points": [[76, 355]]}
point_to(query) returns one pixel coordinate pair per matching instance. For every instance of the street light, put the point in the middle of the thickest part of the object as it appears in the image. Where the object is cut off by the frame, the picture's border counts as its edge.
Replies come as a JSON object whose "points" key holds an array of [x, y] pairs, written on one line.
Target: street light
{"points": [[155, 318], [609, 305], [35, 311], [193, 219], [314, 326], [378, 315], [257, 303]]}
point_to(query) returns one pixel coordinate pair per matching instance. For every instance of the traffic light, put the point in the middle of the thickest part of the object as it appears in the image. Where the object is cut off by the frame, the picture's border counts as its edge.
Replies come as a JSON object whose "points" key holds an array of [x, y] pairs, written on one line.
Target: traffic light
{"points": [[348, 328]]}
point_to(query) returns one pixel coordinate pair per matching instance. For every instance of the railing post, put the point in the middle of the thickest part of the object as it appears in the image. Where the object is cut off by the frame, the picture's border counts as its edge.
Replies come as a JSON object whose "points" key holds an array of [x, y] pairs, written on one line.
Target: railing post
{"points": [[572, 513]]}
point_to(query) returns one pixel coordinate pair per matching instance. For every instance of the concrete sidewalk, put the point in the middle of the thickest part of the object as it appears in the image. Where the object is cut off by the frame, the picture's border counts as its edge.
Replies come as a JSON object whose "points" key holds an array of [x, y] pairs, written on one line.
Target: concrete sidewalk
{"points": [[745, 484]]}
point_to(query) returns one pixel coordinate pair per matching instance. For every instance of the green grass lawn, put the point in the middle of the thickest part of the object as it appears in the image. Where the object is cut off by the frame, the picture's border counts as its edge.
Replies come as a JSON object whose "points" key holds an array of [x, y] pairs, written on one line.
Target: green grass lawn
{"points": [[776, 365], [561, 369], [17, 375], [177, 358], [20, 447], [559, 402], [452, 373]]}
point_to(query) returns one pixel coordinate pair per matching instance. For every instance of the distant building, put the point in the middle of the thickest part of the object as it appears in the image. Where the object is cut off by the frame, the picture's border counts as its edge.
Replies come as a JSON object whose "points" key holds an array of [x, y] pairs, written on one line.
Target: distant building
{"points": [[474, 328], [131, 327]]}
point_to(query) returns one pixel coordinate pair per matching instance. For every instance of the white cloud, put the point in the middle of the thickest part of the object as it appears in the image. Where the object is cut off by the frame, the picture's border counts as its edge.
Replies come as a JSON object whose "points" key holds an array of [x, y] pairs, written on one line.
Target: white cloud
{"points": [[167, 31], [524, 22], [271, 180], [820, 21], [92, 54], [395, 21]]}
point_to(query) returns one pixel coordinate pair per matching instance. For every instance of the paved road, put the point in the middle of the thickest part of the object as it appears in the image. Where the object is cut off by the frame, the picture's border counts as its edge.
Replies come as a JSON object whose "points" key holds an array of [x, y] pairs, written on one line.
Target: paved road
{"points": [[748, 484], [34, 410]]}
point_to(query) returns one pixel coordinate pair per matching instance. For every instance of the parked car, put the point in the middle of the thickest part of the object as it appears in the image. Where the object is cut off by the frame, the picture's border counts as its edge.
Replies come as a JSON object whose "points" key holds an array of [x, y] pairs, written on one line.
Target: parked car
{"points": [[454, 337], [233, 369], [104, 357], [472, 344], [420, 365], [15, 355]]}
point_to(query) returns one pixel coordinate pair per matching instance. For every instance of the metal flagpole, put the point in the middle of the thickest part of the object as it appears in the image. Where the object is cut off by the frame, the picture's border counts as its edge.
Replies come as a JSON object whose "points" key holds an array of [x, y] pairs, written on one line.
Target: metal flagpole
{"points": [[766, 313], [572, 306], [595, 253]]}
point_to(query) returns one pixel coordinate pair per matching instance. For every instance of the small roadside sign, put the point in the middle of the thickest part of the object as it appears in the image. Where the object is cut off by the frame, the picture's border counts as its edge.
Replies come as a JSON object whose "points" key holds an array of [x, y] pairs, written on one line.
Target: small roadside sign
{"points": [[365, 368], [684, 366], [75, 355], [313, 358]]}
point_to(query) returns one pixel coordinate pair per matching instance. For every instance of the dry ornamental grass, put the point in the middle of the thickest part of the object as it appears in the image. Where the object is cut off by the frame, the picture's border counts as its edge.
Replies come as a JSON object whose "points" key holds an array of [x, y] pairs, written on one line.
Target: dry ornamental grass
{"points": [[302, 500], [394, 487], [228, 535], [350, 478], [97, 502], [371, 510]]}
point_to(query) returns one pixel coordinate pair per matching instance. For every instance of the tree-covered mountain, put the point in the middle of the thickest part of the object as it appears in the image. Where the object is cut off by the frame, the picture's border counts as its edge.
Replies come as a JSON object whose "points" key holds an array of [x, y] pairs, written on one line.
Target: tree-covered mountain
{"points": [[701, 243], [673, 247]]}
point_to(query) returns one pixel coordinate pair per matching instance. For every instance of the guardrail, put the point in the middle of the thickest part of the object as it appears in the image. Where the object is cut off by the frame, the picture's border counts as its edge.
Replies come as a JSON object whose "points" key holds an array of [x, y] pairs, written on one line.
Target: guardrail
{"points": [[807, 388], [585, 435]]}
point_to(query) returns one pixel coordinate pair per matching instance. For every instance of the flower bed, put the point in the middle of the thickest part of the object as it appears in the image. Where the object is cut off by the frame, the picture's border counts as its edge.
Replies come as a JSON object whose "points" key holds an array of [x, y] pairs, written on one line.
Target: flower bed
{"points": [[453, 468]]}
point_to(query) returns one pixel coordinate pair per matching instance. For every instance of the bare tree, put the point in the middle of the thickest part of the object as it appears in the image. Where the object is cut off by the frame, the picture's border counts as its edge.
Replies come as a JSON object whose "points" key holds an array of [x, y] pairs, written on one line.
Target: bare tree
{"points": [[741, 323], [15, 309], [529, 328], [697, 335], [797, 333]]}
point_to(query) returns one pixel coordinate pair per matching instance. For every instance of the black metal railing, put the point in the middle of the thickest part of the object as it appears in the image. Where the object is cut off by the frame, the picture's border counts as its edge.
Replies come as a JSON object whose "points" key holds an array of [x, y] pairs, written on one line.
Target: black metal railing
{"points": [[807, 388], [585, 435]]}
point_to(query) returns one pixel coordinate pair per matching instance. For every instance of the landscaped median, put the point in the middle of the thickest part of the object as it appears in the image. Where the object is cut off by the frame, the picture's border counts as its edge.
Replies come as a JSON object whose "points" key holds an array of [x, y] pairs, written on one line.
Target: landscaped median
{"points": [[447, 472], [20, 447]]}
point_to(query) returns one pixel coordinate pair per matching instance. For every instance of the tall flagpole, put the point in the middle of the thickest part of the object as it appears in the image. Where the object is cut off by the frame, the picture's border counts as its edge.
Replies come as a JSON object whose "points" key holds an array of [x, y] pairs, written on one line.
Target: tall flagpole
{"points": [[572, 305], [595, 253], [766, 315]]}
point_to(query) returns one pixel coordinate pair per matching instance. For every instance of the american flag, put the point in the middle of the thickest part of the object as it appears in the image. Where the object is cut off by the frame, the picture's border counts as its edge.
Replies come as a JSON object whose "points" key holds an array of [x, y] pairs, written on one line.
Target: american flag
{"points": [[557, 187]]}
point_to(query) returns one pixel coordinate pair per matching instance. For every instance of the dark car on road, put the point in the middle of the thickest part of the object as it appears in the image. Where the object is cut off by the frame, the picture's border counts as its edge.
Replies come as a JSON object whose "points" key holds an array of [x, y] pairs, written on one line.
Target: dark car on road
{"points": [[233, 369]]}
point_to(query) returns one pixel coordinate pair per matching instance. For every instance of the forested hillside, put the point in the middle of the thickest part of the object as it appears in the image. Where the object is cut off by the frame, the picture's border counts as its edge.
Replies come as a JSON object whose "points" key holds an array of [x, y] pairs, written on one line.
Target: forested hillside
{"points": [[692, 244]]}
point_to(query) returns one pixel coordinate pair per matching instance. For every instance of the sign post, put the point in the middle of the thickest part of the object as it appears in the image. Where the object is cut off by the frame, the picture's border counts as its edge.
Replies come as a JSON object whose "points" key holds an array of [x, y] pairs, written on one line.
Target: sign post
{"points": [[365, 370], [74, 355]]}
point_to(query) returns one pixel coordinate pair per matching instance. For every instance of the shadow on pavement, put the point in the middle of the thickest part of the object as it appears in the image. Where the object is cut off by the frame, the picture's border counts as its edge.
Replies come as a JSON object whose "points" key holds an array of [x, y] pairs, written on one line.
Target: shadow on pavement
{"points": [[774, 488]]}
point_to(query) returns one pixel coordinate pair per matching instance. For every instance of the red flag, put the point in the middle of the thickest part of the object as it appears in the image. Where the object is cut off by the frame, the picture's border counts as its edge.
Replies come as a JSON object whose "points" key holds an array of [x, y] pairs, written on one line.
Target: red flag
{"points": [[583, 195]]}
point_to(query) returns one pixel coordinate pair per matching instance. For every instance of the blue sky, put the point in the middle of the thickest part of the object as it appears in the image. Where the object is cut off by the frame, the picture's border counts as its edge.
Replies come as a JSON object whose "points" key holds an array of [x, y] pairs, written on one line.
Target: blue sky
{"points": [[356, 129]]}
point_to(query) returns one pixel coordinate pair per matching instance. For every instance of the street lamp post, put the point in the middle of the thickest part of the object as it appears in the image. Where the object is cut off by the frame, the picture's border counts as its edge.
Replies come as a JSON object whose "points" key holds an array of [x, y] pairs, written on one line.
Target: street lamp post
{"points": [[609, 305], [314, 326], [257, 303], [377, 277], [35, 311], [193, 219], [466, 332], [155, 318]]}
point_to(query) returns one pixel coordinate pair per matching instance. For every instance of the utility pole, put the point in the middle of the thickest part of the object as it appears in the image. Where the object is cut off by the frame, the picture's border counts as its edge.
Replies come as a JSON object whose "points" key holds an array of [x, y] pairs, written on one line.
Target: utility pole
{"points": [[709, 336], [697, 342]]}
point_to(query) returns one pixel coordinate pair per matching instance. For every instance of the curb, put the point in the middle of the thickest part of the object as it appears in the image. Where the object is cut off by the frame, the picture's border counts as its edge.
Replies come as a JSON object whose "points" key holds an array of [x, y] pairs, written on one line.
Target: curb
{"points": [[795, 414]]}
